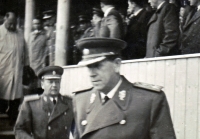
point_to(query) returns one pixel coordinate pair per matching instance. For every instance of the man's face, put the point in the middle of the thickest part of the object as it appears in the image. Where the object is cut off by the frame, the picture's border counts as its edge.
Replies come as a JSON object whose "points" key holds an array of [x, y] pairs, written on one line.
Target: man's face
{"points": [[153, 3], [104, 74], [95, 19], [193, 2], [51, 86], [131, 7], [10, 24], [37, 24]]}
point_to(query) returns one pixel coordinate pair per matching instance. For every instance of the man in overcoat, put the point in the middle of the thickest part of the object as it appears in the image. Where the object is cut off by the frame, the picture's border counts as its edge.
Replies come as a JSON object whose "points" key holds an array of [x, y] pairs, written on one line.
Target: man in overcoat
{"points": [[12, 61], [191, 29], [112, 22], [136, 36], [114, 108], [48, 116], [163, 30]]}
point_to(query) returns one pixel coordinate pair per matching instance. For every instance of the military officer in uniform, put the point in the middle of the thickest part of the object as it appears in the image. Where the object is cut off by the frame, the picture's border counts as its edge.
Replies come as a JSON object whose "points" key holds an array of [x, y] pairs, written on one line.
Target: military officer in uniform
{"points": [[114, 108], [48, 116]]}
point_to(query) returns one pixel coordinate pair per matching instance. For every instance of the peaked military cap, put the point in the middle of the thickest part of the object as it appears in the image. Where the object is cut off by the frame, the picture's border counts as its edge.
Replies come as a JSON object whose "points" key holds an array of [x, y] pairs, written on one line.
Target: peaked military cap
{"points": [[50, 72], [48, 14], [83, 18], [98, 11], [96, 49]]}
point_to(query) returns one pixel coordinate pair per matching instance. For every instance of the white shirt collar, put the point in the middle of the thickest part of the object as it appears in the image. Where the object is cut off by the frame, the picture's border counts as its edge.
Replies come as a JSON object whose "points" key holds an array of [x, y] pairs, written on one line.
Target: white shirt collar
{"points": [[198, 7], [51, 98], [107, 11], [113, 91], [136, 13], [159, 6]]}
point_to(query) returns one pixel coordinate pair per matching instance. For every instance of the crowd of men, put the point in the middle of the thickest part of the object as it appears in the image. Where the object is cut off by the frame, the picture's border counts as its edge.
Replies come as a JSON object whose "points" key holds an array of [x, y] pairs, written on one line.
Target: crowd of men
{"points": [[113, 108]]}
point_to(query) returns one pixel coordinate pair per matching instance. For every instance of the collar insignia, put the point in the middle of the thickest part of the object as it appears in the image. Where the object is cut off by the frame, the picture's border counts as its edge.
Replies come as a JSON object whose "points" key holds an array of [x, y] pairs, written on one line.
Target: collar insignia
{"points": [[54, 72], [92, 98], [122, 95]]}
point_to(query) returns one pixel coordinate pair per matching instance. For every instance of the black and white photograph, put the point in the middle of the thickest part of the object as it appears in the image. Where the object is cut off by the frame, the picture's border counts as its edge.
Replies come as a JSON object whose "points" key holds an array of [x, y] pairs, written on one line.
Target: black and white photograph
{"points": [[99, 69]]}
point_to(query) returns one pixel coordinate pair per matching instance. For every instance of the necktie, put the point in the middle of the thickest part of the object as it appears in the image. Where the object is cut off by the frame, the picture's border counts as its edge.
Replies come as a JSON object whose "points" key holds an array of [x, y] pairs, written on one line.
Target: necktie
{"points": [[106, 98], [54, 101]]}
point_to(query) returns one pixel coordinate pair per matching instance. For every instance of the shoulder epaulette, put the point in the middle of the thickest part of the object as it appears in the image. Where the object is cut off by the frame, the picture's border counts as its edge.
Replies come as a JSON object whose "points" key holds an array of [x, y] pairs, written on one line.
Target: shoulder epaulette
{"points": [[31, 97], [82, 91], [147, 86], [66, 97]]}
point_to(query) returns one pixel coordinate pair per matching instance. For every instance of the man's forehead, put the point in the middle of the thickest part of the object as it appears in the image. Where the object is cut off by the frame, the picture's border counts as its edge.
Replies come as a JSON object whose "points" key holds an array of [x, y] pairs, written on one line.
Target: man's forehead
{"points": [[11, 20]]}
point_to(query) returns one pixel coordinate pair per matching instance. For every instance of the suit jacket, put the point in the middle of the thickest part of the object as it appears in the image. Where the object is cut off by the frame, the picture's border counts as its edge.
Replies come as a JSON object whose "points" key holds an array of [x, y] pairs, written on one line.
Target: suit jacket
{"points": [[191, 36], [132, 113], [163, 32], [39, 120], [136, 36], [111, 26]]}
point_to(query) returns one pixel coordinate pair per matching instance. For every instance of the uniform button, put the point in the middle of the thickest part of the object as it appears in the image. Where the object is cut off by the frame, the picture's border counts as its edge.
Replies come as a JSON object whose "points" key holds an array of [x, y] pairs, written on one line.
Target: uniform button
{"points": [[65, 113], [84, 122], [122, 122], [49, 113], [49, 128], [65, 127]]}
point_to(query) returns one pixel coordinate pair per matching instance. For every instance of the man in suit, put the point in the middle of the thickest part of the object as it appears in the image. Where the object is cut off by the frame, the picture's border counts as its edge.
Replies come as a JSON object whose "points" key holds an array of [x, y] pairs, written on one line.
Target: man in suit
{"points": [[136, 30], [163, 30], [191, 29], [114, 108], [112, 22], [48, 116]]}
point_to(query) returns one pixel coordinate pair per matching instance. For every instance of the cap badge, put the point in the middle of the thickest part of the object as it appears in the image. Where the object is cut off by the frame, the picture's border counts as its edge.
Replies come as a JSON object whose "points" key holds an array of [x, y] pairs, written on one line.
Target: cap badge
{"points": [[86, 51], [54, 73], [92, 98], [122, 95]]}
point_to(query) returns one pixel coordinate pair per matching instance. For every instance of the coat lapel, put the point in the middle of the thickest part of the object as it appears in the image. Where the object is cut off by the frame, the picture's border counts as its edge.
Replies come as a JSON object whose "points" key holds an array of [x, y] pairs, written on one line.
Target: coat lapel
{"points": [[58, 109], [101, 116], [193, 19], [153, 18], [122, 96]]}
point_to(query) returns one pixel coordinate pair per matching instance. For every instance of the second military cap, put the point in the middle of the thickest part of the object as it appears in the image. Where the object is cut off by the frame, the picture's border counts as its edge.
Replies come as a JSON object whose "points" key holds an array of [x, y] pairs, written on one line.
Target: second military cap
{"points": [[96, 49], [50, 72]]}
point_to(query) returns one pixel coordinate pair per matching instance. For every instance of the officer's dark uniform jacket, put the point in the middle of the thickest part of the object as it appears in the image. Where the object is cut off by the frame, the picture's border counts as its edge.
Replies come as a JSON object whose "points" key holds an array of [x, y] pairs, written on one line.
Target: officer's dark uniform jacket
{"points": [[39, 120], [134, 112]]}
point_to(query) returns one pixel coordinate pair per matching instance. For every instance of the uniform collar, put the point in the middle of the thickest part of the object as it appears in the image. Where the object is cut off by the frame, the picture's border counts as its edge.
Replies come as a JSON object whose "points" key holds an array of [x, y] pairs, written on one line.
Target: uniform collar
{"points": [[137, 12], [198, 7], [160, 5], [112, 92], [107, 11]]}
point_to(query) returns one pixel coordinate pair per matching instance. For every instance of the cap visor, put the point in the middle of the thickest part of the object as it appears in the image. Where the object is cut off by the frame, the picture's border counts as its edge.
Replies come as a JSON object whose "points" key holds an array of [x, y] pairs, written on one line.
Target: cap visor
{"points": [[47, 17], [91, 61]]}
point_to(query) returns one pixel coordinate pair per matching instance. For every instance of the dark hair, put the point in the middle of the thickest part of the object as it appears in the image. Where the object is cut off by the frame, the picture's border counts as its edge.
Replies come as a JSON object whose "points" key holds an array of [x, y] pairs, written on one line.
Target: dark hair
{"points": [[140, 3], [8, 14], [109, 2]]}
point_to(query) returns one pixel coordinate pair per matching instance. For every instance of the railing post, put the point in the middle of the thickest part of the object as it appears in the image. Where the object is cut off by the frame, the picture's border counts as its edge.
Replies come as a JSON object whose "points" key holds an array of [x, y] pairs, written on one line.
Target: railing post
{"points": [[29, 14], [62, 32]]}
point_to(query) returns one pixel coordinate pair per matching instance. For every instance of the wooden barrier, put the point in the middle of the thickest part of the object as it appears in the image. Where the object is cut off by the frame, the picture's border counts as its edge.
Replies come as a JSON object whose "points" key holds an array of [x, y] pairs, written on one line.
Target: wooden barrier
{"points": [[180, 76]]}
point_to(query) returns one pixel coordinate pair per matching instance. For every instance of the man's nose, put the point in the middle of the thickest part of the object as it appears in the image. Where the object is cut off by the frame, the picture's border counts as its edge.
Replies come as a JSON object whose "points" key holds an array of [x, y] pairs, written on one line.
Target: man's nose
{"points": [[53, 83]]}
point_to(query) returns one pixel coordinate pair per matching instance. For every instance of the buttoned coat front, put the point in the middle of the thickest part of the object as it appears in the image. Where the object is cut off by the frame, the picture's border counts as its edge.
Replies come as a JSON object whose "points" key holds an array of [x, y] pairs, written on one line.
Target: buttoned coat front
{"points": [[132, 113], [136, 36], [191, 35], [36, 121], [163, 32], [111, 26]]}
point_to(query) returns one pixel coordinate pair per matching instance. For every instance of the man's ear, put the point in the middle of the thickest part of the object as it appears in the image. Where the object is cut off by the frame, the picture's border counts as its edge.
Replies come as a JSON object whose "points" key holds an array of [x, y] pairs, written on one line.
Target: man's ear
{"points": [[117, 64]]}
